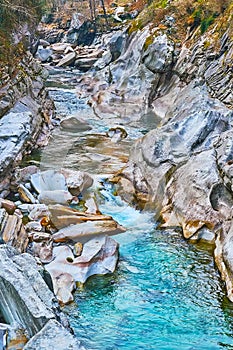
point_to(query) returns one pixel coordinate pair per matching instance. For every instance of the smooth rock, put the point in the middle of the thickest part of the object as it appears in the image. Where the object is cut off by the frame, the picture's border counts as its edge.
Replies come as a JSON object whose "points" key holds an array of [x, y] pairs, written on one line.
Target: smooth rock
{"points": [[55, 196], [43, 250], [85, 231], [74, 124], [99, 256], [77, 181], [8, 205], [44, 54], [62, 216], [67, 60], [49, 180]]}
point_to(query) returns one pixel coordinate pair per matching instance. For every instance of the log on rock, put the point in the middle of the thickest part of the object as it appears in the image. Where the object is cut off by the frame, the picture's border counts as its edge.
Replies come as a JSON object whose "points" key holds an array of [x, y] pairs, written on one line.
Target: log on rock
{"points": [[84, 231]]}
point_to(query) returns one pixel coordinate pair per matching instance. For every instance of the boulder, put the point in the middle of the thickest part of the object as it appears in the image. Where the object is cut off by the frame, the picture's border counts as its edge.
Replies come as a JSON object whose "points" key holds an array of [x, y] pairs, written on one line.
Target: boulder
{"points": [[99, 256], [85, 231], [62, 216], [28, 301], [67, 60], [187, 200], [44, 54], [55, 196], [49, 180], [77, 181], [53, 336], [74, 124]]}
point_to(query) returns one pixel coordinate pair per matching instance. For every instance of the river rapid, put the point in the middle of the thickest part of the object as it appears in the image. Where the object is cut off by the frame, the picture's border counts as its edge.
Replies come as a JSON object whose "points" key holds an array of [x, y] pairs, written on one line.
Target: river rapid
{"points": [[166, 293]]}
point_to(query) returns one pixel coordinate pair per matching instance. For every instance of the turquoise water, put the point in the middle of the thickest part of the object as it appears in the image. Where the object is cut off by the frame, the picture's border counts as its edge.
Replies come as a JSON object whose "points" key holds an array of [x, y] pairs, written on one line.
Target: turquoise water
{"points": [[165, 294]]}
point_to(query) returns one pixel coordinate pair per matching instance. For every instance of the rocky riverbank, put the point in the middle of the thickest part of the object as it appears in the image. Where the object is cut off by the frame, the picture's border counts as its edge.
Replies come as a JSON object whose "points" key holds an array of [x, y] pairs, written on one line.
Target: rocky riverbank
{"points": [[180, 169]]}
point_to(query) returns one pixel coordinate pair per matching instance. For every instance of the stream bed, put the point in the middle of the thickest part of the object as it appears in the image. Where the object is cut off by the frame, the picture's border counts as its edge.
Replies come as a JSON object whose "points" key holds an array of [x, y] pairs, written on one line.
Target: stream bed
{"points": [[166, 293]]}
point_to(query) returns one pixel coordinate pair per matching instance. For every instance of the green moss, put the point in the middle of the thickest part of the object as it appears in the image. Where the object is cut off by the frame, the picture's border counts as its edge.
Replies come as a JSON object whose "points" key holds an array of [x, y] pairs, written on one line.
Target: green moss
{"points": [[206, 22], [149, 40]]}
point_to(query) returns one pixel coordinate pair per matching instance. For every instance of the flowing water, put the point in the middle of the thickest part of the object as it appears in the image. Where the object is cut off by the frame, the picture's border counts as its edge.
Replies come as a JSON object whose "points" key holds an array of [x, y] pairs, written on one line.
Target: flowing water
{"points": [[166, 293]]}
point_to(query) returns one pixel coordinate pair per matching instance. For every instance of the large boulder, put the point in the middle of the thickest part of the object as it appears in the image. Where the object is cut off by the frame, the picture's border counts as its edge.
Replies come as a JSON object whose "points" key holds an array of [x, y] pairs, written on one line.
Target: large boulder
{"points": [[98, 256], [53, 336], [24, 296]]}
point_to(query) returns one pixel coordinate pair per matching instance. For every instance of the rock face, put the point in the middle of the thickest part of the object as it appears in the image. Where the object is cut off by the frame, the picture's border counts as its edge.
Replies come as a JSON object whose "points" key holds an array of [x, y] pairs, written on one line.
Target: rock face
{"points": [[25, 110], [27, 301], [182, 169]]}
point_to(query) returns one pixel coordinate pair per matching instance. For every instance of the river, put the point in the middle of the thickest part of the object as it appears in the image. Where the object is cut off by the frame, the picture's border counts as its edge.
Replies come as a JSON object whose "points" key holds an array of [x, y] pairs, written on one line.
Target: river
{"points": [[166, 292]]}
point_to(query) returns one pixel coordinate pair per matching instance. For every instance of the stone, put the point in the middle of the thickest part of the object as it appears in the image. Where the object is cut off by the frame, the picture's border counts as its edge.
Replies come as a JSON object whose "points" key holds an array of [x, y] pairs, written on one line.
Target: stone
{"points": [[43, 250], [187, 195], [44, 54], [28, 301], [55, 196], [25, 195], [85, 231], [74, 124], [67, 60], [62, 216], [37, 211], [78, 248], [60, 47], [84, 64], [22, 175], [99, 256], [8, 205], [63, 285], [33, 226], [77, 181], [53, 336], [49, 180], [117, 134], [12, 231], [41, 236]]}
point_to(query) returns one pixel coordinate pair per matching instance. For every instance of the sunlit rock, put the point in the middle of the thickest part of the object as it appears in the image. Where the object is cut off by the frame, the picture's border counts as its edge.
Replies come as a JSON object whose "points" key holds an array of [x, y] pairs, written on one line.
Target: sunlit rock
{"points": [[62, 216], [77, 181], [99, 256], [85, 231]]}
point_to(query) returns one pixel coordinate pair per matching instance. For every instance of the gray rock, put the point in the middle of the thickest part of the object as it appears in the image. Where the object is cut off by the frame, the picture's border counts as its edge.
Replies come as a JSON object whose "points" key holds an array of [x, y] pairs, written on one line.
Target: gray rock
{"points": [[49, 180], [116, 44], [158, 57], [44, 54], [53, 336], [67, 60], [28, 301]]}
